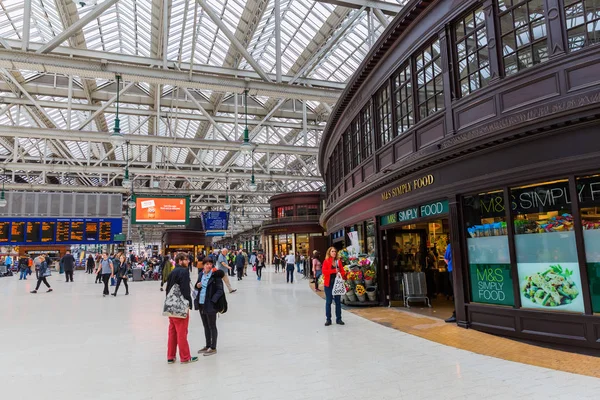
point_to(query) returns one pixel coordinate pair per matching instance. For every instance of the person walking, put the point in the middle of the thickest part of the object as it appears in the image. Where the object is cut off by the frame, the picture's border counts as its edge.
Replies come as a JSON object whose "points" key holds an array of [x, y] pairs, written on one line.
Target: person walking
{"points": [[290, 260], [178, 327], [298, 263], [107, 270], [276, 262], [240, 265], [316, 267], [23, 268], [331, 267], [90, 264], [115, 259], [44, 272], [8, 261], [223, 265], [245, 254], [122, 271], [208, 303], [68, 262], [166, 271], [260, 264]]}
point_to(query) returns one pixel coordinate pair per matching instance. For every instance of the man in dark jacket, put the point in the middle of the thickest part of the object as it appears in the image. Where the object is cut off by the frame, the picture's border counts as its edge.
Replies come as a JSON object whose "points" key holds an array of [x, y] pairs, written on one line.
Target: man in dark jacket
{"points": [[178, 327], [210, 301], [68, 262], [240, 262]]}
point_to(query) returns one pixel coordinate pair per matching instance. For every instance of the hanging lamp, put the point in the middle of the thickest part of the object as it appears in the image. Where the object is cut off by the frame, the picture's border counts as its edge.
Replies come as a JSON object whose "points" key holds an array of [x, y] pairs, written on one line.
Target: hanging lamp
{"points": [[126, 183], [131, 202], [227, 203], [252, 185], [116, 138], [246, 147], [3, 201]]}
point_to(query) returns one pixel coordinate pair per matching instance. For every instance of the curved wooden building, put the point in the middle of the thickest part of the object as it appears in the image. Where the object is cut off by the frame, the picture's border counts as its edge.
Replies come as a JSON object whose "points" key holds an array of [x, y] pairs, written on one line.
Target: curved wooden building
{"points": [[475, 123]]}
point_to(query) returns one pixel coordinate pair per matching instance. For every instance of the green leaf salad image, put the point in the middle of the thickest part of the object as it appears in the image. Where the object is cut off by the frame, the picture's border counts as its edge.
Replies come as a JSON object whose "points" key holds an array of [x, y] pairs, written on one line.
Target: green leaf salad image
{"points": [[551, 288]]}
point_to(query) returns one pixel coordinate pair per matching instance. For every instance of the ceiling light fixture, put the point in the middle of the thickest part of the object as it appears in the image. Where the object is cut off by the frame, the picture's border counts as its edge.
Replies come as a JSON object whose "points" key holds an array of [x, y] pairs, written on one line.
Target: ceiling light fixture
{"points": [[116, 138], [246, 147], [3, 201], [126, 182]]}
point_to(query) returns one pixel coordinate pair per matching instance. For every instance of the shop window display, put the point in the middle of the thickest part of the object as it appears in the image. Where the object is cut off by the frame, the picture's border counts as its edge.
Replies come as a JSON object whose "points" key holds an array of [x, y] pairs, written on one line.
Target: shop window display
{"points": [[487, 243], [588, 189], [549, 277]]}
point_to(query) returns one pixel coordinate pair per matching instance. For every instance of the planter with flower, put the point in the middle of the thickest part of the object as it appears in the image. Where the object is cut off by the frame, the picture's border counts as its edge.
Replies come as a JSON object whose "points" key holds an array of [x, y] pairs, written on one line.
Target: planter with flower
{"points": [[350, 296], [369, 277], [360, 293]]}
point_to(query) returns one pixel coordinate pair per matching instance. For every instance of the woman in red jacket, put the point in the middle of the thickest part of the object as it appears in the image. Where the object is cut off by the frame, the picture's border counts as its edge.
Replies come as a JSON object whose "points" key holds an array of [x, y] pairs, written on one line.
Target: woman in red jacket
{"points": [[331, 267]]}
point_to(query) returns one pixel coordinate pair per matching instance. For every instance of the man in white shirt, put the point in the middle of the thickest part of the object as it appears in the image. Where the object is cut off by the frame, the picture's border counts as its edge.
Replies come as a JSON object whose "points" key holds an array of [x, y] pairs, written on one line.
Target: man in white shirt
{"points": [[223, 265], [290, 260]]}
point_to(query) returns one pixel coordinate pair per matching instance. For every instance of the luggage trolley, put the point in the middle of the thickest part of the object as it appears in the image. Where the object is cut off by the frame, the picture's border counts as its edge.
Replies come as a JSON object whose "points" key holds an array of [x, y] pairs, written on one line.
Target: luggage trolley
{"points": [[415, 288]]}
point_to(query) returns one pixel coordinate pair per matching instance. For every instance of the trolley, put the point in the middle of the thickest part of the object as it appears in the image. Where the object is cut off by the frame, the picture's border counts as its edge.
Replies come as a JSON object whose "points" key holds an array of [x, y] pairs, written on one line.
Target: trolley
{"points": [[415, 288]]}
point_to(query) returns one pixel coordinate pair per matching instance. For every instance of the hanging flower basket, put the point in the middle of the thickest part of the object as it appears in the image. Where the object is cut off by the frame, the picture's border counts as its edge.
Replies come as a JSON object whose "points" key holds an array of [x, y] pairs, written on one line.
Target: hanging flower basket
{"points": [[372, 293]]}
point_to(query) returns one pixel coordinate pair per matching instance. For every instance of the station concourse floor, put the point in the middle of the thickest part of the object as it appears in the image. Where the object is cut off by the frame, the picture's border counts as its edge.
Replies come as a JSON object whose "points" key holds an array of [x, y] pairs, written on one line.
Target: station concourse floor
{"points": [[75, 344]]}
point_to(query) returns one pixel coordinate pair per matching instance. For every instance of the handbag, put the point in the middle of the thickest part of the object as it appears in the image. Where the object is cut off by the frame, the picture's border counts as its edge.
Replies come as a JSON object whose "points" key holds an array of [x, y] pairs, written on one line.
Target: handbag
{"points": [[254, 268], [176, 305], [339, 287]]}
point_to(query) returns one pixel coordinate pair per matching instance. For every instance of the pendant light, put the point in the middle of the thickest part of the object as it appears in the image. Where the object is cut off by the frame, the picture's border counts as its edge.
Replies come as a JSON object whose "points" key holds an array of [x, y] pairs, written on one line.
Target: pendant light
{"points": [[252, 186], [126, 183], [246, 147], [227, 203], [3, 201], [131, 202], [117, 138]]}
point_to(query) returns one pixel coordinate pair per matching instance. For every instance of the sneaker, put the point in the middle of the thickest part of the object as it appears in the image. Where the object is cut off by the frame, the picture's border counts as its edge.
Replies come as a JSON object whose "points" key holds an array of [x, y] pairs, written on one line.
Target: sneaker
{"points": [[203, 350], [451, 319], [340, 322], [33, 291], [191, 360], [233, 291], [210, 352], [49, 290], [172, 361], [114, 294], [327, 323]]}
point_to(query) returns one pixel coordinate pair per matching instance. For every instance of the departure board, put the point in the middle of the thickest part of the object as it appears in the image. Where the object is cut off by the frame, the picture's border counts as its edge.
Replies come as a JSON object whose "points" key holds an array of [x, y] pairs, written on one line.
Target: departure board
{"points": [[33, 232], [17, 233], [38, 231], [76, 231], [62, 231], [4, 230], [48, 231], [91, 231], [105, 229]]}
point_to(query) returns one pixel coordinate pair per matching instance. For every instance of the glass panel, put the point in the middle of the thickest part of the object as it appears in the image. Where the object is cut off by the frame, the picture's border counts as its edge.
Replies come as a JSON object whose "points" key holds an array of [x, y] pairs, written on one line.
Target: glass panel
{"points": [[549, 277], [589, 198], [489, 257]]}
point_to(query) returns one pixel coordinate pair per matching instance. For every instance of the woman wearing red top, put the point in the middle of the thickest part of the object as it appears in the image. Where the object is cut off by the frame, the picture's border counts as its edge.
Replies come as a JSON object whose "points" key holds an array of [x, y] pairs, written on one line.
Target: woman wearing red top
{"points": [[331, 267]]}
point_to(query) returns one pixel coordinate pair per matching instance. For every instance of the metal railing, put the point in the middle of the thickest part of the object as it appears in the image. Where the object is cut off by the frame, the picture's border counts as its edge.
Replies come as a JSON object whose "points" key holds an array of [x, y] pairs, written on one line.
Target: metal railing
{"points": [[288, 220]]}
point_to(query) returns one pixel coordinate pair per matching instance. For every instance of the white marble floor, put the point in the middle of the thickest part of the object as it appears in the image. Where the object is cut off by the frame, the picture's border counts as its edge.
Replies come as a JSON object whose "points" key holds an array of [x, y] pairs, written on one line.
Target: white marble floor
{"points": [[75, 344]]}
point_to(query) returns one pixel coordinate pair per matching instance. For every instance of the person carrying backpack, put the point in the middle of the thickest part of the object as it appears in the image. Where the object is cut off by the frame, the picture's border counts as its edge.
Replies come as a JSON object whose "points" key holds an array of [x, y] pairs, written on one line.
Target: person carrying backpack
{"points": [[209, 301], [43, 273]]}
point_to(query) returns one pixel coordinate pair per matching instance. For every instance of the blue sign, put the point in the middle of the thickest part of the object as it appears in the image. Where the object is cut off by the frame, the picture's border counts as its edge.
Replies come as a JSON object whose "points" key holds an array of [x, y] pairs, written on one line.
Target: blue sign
{"points": [[215, 233], [36, 231], [215, 220]]}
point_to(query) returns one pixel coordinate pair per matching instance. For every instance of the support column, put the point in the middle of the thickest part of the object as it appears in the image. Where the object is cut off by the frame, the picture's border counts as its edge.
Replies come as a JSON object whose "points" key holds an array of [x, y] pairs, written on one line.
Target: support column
{"points": [[556, 38], [447, 82], [458, 264], [490, 30], [26, 25], [277, 11]]}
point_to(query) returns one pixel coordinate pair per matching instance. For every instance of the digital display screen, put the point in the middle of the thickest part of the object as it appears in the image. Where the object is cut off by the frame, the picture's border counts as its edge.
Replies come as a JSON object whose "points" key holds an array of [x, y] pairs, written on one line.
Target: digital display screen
{"points": [[91, 231], [33, 232], [76, 231], [105, 229], [4, 227], [48, 231], [161, 210], [17, 232], [62, 231]]}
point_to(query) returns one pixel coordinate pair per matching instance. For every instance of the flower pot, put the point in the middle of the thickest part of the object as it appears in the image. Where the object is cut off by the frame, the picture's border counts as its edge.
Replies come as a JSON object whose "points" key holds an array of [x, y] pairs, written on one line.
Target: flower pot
{"points": [[357, 282], [369, 282], [351, 296], [361, 297], [371, 293]]}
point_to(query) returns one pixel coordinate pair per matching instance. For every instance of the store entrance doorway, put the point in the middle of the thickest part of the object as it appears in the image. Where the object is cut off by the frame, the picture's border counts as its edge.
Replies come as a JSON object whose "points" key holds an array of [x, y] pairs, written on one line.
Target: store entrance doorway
{"points": [[419, 247]]}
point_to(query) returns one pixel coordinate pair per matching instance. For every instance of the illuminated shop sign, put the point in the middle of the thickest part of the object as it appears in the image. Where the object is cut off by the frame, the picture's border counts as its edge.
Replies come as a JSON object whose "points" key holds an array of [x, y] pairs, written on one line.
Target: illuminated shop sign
{"points": [[422, 211]]}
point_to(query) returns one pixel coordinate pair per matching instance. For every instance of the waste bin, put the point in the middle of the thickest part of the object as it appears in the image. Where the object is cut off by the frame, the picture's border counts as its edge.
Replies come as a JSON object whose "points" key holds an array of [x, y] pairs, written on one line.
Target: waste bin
{"points": [[137, 274]]}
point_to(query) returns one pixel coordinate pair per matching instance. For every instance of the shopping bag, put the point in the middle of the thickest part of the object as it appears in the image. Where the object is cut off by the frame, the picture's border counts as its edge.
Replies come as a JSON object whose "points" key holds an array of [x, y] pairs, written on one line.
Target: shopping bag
{"points": [[339, 287], [176, 305]]}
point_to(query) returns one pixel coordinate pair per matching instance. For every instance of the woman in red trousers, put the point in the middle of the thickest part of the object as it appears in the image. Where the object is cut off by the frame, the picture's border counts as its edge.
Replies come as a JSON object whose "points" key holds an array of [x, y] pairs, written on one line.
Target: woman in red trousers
{"points": [[331, 267]]}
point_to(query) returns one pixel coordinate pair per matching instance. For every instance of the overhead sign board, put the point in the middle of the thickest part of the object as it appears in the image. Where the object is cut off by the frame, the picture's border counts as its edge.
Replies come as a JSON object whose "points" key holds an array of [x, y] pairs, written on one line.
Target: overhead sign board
{"points": [[215, 221]]}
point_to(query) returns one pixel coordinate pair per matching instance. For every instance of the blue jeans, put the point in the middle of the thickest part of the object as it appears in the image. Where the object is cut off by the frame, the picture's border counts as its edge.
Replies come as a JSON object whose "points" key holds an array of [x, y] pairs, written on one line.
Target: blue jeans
{"points": [[299, 266], [23, 274], [290, 273], [329, 297]]}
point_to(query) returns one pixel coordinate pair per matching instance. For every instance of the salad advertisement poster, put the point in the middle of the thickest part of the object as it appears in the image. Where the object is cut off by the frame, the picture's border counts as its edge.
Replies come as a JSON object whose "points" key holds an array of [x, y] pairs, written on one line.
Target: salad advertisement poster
{"points": [[551, 286]]}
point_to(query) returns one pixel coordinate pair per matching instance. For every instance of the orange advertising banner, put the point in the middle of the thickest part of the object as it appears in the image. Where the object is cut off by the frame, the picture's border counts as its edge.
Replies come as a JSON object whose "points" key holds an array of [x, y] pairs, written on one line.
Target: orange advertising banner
{"points": [[161, 210]]}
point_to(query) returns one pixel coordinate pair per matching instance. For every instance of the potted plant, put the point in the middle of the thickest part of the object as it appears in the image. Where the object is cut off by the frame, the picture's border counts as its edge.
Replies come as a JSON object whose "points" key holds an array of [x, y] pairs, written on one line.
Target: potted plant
{"points": [[369, 278], [360, 293], [350, 293]]}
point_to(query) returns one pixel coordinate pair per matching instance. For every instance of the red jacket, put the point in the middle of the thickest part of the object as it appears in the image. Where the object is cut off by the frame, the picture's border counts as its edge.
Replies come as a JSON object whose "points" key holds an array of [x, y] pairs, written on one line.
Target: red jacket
{"points": [[329, 269]]}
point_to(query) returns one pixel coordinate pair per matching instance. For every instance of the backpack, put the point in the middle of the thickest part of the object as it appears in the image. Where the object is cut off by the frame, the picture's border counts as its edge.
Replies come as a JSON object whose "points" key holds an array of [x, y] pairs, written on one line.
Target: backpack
{"points": [[221, 304]]}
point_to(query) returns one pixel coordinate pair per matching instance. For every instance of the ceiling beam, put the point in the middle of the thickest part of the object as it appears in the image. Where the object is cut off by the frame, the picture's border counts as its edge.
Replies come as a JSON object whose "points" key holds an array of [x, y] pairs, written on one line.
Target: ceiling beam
{"points": [[145, 140], [101, 70], [385, 7], [76, 27]]}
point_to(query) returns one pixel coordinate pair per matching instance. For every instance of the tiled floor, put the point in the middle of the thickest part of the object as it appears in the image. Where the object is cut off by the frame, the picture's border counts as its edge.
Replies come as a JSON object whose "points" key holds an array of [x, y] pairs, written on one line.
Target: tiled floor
{"points": [[74, 344]]}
